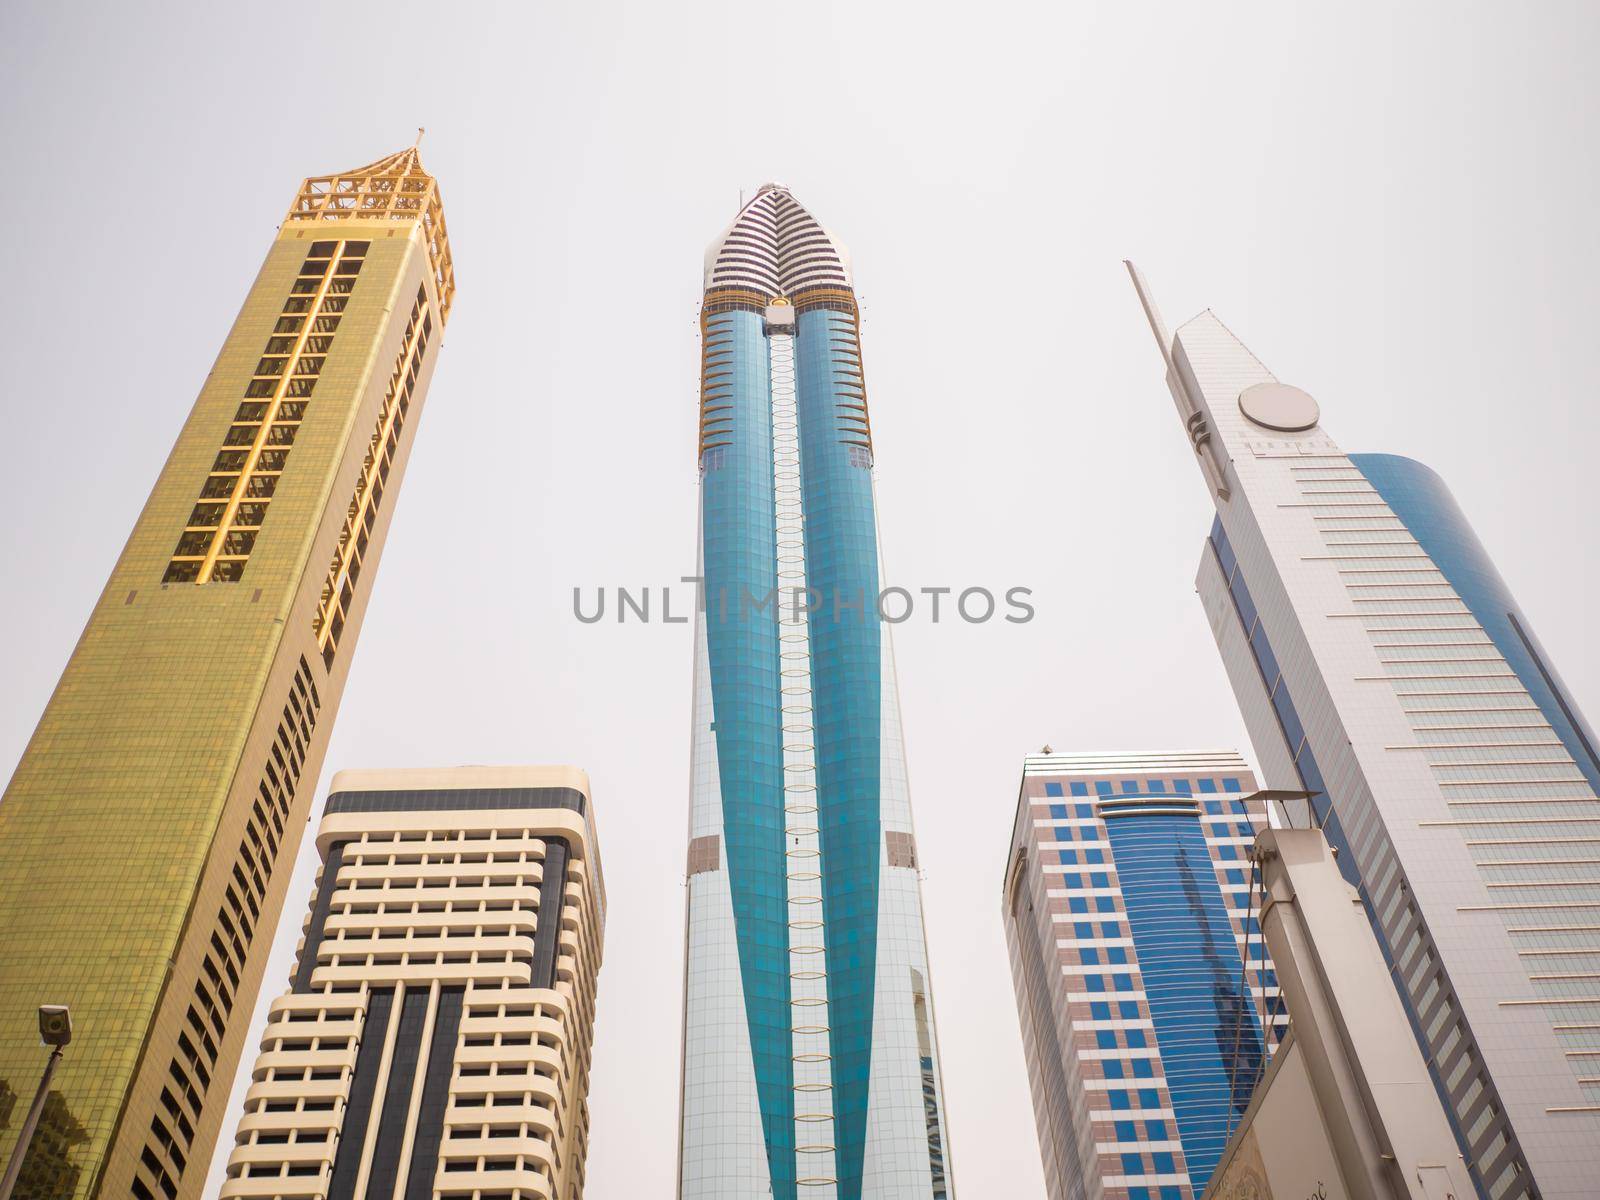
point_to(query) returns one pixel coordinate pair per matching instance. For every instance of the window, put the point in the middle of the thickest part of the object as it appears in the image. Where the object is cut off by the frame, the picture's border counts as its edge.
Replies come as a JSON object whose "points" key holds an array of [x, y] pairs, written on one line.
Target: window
{"points": [[231, 935], [1052, 789], [213, 550], [338, 591]]}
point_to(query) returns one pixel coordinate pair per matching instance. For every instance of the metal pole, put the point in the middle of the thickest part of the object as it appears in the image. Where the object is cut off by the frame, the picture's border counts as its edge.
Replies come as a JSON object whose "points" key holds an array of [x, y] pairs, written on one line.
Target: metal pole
{"points": [[20, 1150]]}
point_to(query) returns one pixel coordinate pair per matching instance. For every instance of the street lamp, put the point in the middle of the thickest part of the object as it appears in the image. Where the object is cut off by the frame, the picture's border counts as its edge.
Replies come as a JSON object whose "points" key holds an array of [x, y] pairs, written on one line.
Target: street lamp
{"points": [[55, 1031]]}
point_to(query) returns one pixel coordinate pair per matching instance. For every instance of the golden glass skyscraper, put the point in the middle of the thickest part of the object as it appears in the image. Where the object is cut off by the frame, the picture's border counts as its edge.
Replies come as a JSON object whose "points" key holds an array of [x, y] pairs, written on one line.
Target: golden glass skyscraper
{"points": [[147, 835]]}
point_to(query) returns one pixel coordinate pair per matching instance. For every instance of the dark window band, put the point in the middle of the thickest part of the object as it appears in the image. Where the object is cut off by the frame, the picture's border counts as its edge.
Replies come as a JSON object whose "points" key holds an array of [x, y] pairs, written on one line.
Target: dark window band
{"points": [[455, 800], [358, 1110]]}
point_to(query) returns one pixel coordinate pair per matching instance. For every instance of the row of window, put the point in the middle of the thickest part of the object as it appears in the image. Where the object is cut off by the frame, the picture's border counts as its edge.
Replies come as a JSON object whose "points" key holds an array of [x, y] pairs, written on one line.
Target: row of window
{"points": [[223, 527], [850, 405], [339, 590], [1157, 1162], [1152, 787], [717, 349], [1430, 995], [190, 1069], [1164, 1192]]}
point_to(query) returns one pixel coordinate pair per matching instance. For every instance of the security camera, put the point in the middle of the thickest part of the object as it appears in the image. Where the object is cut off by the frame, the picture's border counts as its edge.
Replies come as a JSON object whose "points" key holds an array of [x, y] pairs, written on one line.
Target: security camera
{"points": [[55, 1025]]}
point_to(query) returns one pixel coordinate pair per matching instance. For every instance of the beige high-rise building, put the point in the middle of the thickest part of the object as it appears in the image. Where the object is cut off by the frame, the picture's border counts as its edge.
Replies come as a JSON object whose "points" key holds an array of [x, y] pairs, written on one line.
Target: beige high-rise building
{"points": [[146, 836], [436, 1036]]}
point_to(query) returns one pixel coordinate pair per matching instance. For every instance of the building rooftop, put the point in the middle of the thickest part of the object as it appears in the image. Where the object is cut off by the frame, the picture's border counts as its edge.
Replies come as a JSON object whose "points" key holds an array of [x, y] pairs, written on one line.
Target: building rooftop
{"points": [[395, 188], [777, 248]]}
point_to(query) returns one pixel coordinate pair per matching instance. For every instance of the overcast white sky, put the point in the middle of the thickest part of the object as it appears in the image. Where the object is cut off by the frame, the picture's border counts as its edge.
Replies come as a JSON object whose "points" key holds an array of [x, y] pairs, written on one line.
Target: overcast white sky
{"points": [[1392, 205]]}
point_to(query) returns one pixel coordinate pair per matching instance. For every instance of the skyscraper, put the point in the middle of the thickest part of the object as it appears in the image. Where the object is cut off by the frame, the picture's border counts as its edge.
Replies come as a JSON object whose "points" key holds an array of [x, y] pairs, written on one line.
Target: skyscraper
{"points": [[436, 1036], [810, 1059], [146, 834], [1146, 999], [1383, 667]]}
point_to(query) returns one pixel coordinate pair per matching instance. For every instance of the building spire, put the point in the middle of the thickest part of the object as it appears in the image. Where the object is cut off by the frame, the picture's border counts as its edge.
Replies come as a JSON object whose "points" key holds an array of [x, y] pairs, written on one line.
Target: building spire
{"points": [[1158, 327], [1191, 408]]}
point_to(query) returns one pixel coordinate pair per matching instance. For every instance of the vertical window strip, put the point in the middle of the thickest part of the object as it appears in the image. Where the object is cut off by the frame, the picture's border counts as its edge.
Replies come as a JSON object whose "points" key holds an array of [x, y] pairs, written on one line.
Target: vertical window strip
{"points": [[338, 593], [226, 957], [223, 527]]}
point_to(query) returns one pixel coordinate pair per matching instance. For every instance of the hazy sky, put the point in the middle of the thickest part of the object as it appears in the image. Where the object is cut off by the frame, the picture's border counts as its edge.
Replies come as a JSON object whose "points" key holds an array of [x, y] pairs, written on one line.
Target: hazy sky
{"points": [[1393, 206]]}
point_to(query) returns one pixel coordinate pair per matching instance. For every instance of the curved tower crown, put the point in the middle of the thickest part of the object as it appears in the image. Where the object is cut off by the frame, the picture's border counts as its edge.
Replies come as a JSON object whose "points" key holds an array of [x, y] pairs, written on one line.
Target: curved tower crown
{"points": [[776, 247]]}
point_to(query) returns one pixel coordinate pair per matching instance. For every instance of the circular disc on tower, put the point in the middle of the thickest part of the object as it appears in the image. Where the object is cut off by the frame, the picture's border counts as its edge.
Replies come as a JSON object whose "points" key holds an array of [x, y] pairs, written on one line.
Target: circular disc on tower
{"points": [[1279, 406]]}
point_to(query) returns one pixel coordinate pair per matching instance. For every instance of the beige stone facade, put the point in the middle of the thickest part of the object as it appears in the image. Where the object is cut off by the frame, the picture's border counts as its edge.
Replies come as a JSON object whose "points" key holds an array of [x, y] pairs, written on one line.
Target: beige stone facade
{"points": [[435, 1040]]}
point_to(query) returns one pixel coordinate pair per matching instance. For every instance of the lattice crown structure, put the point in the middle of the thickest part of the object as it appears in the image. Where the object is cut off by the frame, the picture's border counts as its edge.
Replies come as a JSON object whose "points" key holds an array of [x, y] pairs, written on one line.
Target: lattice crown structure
{"points": [[395, 188]]}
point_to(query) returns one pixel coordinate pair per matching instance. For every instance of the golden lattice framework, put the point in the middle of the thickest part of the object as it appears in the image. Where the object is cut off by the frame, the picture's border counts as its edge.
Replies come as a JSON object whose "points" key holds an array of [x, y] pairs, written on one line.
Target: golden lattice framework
{"points": [[395, 188]]}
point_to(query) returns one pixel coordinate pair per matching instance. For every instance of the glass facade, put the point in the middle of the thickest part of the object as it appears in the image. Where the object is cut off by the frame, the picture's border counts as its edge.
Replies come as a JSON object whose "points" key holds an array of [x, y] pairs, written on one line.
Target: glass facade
{"points": [[1146, 1000], [1205, 1023], [145, 834], [1450, 770], [1422, 501], [739, 568], [1431, 653], [810, 1044]]}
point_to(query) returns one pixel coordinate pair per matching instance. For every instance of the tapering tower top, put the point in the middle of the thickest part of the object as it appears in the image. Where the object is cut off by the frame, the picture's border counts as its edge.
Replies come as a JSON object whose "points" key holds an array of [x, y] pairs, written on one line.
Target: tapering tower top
{"points": [[777, 248], [395, 188]]}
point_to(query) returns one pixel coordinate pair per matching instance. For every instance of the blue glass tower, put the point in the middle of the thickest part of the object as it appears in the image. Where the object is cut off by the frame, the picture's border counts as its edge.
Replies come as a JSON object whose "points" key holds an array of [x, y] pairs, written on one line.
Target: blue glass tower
{"points": [[810, 1061], [1147, 1000]]}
